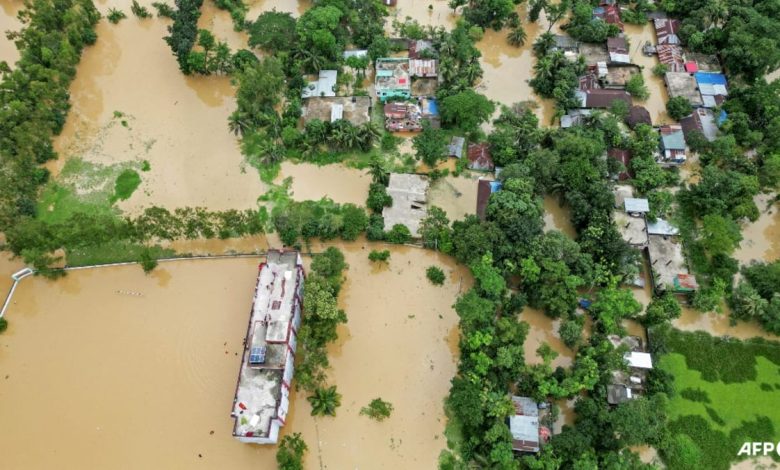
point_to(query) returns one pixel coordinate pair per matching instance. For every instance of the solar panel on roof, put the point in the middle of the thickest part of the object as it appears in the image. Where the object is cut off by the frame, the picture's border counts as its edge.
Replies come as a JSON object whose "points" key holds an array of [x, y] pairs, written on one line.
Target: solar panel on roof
{"points": [[257, 355]]}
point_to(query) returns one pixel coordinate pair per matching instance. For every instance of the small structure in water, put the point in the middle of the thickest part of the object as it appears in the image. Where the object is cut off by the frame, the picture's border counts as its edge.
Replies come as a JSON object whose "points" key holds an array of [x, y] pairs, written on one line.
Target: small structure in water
{"points": [[262, 392], [324, 86], [629, 385], [528, 434], [410, 201]]}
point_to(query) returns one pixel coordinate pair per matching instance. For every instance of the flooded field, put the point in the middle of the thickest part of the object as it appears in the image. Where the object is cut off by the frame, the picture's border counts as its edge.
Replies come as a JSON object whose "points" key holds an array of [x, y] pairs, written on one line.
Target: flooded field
{"points": [[507, 69], [637, 36], [439, 15], [9, 22], [717, 324], [312, 182], [115, 363], [131, 103]]}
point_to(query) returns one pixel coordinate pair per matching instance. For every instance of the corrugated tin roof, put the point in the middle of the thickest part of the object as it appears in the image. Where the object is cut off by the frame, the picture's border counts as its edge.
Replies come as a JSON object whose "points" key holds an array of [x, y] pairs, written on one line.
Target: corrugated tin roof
{"points": [[636, 205], [710, 78]]}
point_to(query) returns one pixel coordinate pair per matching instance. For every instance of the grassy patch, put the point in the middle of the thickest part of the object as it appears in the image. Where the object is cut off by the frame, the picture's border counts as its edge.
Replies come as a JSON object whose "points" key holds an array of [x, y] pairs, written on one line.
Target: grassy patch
{"points": [[115, 252], [126, 184], [724, 399]]}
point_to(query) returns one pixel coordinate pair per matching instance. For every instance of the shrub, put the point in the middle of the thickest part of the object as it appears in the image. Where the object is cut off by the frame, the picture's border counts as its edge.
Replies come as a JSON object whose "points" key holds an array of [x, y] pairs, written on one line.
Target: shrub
{"points": [[660, 70], [378, 409], [399, 234], [678, 107], [324, 401], [126, 184], [163, 10], [289, 455], [115, 16], [3, 324], [376, 255], [378, 198], [636, 87], [147, 260], [140, 11], [435, 275]]}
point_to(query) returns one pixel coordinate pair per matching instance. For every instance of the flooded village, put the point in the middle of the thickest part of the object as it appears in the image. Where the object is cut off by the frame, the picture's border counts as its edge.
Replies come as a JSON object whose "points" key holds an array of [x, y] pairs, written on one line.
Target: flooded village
{"points": [[139, 370]]}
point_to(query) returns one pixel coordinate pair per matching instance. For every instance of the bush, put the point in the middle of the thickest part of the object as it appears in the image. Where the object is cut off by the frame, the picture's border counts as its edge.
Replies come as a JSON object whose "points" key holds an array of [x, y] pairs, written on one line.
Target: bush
{"points": [[324, 401], [126, 184], [678, 107], [147, 260], [378, 198], [399, 234], [289, 455], [115, 16], [378, 409], [140, 11], [636, 87], [163, 10], [376, 255], [435, 275], [3, 324], [660, 70]]}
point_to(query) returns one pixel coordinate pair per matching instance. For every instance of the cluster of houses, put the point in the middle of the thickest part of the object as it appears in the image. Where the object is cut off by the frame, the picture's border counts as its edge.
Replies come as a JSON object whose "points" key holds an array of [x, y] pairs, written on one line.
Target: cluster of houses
{"points": [[658, 239], [629, 383], [407, 86], [321, 100]]}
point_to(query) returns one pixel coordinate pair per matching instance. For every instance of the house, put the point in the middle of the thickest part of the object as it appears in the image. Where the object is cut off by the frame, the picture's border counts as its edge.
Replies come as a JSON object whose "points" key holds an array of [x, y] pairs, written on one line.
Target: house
{"points": [[639, 360], [355, 109], [484, 189], [602, 98], [666, 31], [418, 47], [661, 227], [261, 401], [608, 12], [410, 201], [672, 56], [672, 144], [528, 434], [629, 385], [712, 87], [638, 206], [683, 84], [479, 157], [455, 149], [638, 115], [703, 121], [393, 79], [324, 86], [617, 48], [618, 75], [594, 53], [566, 43], [624, 157], [667, 265], [575, 117], [630, 218], [704, 62], [618, 393], [402, 117], [422, 68]]}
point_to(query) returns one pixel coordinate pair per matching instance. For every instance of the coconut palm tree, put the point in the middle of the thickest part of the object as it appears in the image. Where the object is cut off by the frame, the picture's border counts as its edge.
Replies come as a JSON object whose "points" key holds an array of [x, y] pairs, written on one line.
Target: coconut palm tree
{"points": [[542, 45], [379, 173], [239, 123], [324, 401], [517, 36]]}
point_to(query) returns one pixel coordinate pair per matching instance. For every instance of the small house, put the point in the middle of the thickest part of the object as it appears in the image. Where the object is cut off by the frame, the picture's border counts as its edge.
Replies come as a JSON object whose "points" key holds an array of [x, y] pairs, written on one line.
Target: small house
{"points": [[672, 56], [575, 117], [672, 144], [666, 31], [484, 189], [681, 84], [702, 120], [479, 157], [392, 79], [455, 148], [410, 201], [617, 48], [566, 43], [527, 432], [324, 86], [602, 98], [639, 360], [608, 12], [636, 206], [418, 47], [638, 115], [712, 87], [624, 157]]}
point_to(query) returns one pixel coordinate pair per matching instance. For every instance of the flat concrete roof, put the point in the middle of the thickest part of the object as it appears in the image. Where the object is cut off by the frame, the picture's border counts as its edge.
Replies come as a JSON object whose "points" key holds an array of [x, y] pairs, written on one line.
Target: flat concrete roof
{"points": [[325, 85], [410, 201], [683, 84], [666, 260], [632, 229], [354, 109]]}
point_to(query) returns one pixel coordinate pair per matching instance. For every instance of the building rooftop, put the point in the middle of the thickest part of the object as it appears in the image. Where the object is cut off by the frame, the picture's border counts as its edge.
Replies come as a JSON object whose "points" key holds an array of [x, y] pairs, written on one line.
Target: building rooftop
{"points": [[575, 117], [602, 98], [524, 425], [422, 68], [594, 53], [617, 48], [624, 157], [701, 120], [618, 393], [484, 189], [672, 56], [455, 148], [566, 43], [672, 137], [418, 46], [632, 229], [619, 75], [639, 360], [666, 260], [355, 109], [262, 389], [392, 77], [666, 30], [638, 115], [683, 84], [661, 227], [479, 157], [704, 62], [410, 201], [638, 205], [324, 86]]}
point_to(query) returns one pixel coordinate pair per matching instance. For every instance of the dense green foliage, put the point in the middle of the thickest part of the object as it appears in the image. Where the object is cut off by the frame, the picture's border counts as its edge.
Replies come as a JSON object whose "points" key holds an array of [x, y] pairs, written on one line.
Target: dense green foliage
{"points": [[115, 16], [378, 409], [184, 31], [322, 219], [324, 401], [678, 107], [556, 77], [435, 275], [757, 296], [379, 256], [583, 27], [289, 454], [3, 324], [430, 145]]}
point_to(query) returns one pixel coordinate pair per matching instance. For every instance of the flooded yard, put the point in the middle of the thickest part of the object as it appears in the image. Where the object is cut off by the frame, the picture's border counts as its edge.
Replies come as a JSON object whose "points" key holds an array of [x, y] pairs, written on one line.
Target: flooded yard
{"points": [[115, 363], [761, 239], [638, 35], [312, 182]]}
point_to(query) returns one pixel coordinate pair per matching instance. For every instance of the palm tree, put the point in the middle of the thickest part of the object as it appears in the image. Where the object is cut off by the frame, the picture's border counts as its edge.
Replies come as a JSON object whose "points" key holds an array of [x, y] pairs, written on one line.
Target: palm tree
{"points": [[324, 401], [542, 45], [238, 123], [517, 37], [378, 172]]}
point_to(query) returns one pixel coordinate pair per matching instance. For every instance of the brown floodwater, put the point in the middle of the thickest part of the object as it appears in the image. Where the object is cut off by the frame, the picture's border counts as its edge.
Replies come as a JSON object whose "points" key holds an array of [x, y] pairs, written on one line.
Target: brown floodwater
{"points": [[508, 69], [717, 324], [138, 369], [638, 35], [440, 15], [177, 123], [9, 22], [544, 329], [337, 182], [557, 217], [761, 239]]}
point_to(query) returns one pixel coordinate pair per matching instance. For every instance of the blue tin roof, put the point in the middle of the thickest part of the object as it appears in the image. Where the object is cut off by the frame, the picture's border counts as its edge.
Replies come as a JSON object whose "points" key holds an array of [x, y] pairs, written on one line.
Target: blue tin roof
{"points": [[710, 78]]}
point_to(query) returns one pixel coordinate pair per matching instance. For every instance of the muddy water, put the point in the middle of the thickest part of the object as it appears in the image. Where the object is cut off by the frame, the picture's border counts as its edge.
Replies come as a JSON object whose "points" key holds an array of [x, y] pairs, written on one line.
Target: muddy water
{"points": [[456, 195], [557, 217], [761, 239], [637, 36], [440, 15], [221, 26], [177, 123], [160, 367], [9, 22], [312, 182], [507, 69], [717, 324], [544, 330], [566, 415]]}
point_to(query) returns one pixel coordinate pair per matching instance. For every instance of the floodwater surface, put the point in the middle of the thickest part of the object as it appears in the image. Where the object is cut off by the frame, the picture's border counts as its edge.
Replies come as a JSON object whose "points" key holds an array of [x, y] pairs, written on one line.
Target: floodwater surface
{"points": [[337, 182], [130, 102], [761, 239], [638, 35], [9, 22], [456, 195], [557, 217], [125, 367], [508, 69], [426, 12]]}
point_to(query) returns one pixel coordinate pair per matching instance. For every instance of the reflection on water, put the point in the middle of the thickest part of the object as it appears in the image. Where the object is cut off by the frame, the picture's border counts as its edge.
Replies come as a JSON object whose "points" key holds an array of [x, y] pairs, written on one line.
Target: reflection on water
{"points": [[717, 324], [153, 359]]}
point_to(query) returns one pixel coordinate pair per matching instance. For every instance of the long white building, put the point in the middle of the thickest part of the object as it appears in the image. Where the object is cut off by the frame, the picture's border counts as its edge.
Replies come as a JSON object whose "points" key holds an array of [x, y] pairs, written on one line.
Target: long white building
{"points": [[267, 365]]}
